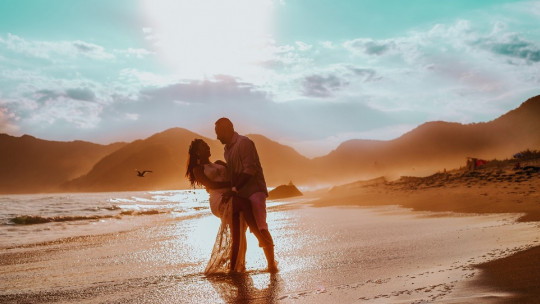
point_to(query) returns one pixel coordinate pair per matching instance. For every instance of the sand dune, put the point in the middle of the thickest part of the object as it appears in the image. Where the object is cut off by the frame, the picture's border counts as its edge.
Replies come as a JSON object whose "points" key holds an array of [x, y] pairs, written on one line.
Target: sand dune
{"points": [[495, 188]]}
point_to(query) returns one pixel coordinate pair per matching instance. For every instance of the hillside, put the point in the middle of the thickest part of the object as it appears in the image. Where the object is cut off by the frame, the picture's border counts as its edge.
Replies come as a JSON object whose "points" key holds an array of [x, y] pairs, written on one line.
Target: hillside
{"points": [[166, 154], [433, 146], [35, 165], [281, 163]]}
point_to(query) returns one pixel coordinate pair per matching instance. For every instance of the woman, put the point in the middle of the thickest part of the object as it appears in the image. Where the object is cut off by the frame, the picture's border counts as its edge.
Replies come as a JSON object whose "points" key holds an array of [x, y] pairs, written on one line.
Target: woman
{"points": [[230, 247]]}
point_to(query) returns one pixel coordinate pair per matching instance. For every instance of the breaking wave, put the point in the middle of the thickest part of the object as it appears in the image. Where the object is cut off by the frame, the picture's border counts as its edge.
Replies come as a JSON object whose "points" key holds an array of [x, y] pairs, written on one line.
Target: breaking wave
{"points": [[32, 219]]}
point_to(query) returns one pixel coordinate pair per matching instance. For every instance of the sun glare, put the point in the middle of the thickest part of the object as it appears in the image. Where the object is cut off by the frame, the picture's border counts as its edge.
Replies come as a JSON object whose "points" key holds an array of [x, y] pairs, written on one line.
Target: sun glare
{"points": [[208, 37]]}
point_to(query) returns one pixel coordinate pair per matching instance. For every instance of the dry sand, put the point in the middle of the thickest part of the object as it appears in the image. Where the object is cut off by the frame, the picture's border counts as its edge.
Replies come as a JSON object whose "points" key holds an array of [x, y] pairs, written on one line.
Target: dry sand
{"points": [[498, 189]]}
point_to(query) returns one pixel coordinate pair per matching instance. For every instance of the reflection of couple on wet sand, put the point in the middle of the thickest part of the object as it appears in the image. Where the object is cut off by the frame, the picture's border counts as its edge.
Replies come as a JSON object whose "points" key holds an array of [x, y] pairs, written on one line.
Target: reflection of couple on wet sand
{"points": [[238, 194], [240, 288]]}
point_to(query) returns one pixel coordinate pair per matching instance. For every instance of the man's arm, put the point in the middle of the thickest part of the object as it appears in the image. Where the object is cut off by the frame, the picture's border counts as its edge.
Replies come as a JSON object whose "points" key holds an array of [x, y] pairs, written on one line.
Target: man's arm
{"points": [[242, 180], [249, 158], [220, 162]]}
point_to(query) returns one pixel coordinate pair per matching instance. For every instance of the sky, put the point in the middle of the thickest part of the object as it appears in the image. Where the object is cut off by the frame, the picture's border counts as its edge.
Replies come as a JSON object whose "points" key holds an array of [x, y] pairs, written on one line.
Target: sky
{"points": [[310, 74]]}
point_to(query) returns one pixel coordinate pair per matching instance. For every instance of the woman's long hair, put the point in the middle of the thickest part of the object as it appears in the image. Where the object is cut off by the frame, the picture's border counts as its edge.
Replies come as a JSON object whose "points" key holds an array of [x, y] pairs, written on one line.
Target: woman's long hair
{"points": [[193, 160]]}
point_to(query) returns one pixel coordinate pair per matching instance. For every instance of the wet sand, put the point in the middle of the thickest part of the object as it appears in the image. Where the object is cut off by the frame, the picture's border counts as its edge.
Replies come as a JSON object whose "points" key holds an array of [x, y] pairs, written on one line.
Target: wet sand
{"points": [[518, 274], [484, 191], [331, 254]]}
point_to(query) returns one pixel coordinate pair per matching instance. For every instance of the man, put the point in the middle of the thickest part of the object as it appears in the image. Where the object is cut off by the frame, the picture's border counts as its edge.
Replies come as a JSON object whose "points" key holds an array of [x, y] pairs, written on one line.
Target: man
{"points": [[247, 178]]}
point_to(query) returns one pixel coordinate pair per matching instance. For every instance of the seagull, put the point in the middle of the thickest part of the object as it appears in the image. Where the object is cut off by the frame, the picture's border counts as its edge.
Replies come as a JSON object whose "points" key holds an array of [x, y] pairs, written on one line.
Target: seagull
{"points": [[141, 174]]}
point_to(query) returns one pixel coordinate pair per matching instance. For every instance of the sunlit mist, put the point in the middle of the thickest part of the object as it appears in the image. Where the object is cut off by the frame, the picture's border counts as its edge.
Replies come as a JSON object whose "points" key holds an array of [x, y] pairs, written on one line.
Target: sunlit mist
{"points": [[204, 38]]}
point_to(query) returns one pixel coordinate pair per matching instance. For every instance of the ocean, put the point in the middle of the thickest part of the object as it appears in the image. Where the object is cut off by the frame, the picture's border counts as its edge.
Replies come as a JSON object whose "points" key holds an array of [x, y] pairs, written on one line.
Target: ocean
{"points": [[43, 217]]}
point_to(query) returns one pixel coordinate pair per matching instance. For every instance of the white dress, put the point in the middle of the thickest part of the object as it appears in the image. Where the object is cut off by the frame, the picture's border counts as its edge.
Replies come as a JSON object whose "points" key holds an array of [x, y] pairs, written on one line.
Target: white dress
{"points": [[221, 253], [216, 173]]}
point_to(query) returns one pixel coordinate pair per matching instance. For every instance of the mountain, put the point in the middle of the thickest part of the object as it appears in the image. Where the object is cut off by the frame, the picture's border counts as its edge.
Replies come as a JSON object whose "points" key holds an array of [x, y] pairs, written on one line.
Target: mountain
{"points": [[281, 164], [34, 165], [435, 145], [166, 154], [29, 164]]}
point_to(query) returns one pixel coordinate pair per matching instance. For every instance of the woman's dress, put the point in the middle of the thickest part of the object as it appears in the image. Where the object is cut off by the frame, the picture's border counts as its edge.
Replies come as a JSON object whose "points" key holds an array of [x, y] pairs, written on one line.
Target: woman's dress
{"points": [[221, 254]]}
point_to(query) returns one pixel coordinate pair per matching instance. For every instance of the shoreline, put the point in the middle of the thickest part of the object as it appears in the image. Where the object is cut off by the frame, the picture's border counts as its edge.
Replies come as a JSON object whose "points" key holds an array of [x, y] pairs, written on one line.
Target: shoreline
{"points": [[484, 191], [518, 274]]}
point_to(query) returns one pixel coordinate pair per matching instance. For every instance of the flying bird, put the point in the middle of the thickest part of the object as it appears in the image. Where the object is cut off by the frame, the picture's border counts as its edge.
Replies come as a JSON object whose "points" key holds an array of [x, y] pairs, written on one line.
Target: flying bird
{"points": [[141, 174]]}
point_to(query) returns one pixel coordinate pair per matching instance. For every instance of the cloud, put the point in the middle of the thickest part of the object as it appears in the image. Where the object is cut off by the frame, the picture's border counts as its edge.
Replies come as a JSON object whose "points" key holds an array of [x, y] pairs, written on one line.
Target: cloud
{"points": [[27, 88], [57, 109], [511, 45], [414, 45], [336, 78], [219, 90], [327, 44], [365, 74], [460, 54], [139, 78], [322, 86], [370, 46], [284, 58], [132, 52], [81, 94], [60, 110], [54, 50], [8, 122], [76, 107], [302, 46], [132, 116]]}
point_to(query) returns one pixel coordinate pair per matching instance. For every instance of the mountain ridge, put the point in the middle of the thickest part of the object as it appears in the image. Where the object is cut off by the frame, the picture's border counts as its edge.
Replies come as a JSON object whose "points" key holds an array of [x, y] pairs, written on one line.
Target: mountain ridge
{"points": [[31, 164], [432, 146]]}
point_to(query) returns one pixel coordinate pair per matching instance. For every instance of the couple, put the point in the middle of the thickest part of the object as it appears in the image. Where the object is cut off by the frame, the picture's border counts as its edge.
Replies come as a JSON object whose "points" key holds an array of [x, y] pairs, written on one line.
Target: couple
{"points": [[238, 194]]}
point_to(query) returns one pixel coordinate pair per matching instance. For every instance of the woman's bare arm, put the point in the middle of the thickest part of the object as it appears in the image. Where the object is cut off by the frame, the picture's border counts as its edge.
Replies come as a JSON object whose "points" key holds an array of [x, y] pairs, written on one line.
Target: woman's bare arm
{"points": [[205, 181]]}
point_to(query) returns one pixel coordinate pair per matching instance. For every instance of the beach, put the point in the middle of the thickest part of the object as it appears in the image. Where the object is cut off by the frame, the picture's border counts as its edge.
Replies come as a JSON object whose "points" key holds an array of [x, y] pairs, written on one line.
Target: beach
{"points": [[329, 249], [495, 189], [397, 144]]}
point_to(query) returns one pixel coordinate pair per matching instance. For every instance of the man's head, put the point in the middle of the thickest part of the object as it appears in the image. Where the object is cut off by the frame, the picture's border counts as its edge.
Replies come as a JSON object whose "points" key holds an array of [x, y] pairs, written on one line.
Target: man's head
{"points": [[224, 130]]}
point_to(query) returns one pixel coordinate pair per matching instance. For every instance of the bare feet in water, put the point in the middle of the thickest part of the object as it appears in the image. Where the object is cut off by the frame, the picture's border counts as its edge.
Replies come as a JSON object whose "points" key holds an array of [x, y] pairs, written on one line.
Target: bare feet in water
{"points": [[273, 268]]}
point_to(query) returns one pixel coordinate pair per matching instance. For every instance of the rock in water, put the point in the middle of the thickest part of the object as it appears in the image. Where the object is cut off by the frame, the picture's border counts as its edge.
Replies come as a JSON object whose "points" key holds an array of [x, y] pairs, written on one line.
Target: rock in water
{"points": [[284, 191]]}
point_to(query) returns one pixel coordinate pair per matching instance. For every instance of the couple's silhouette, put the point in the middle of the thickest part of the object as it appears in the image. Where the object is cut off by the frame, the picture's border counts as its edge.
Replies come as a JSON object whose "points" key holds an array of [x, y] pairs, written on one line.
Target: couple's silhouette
{"points": [[238, 194]]}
